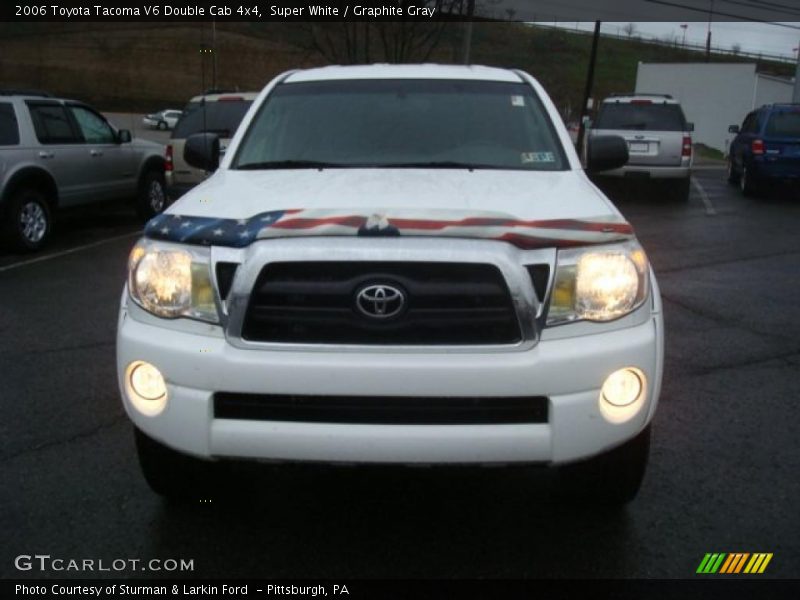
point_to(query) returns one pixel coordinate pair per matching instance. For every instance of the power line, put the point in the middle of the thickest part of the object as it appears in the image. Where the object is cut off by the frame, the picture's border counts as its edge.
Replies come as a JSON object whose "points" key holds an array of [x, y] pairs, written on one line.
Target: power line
{"points": [[705, 11]]}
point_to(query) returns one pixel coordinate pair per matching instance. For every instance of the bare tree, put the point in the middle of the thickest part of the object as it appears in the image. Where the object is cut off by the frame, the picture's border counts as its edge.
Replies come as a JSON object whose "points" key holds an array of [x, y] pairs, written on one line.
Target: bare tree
{"points": [[404, 40], [736, 49], [629, 29]]}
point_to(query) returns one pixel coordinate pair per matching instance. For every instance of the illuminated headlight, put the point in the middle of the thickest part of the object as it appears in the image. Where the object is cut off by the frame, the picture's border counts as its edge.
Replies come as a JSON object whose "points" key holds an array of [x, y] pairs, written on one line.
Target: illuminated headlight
{"points": [[598, 283], [172, 281]]}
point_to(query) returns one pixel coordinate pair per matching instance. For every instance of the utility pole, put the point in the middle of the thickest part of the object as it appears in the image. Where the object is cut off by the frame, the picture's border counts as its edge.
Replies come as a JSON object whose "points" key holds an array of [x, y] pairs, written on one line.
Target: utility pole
{"points": [[796, 92], [708, 35], [214, 53], [587, 93], [468, 31]]}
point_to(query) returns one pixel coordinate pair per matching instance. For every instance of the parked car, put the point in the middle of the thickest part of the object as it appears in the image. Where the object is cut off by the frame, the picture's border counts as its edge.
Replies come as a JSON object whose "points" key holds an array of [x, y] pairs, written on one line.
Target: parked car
{"points": [[394, 264], [214, 113], [57, 153], [573, 127], [659, 139], [766, 148], [165, 119]]}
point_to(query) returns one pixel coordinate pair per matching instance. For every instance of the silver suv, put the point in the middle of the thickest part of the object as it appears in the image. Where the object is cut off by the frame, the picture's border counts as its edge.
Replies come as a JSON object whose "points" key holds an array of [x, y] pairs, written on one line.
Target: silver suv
{"points": [[219, 114], [57, 153], [659, 139]]}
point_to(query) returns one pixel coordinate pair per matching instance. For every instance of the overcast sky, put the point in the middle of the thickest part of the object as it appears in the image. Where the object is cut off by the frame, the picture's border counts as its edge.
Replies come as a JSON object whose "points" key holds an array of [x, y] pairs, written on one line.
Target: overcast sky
{"points": [[778, 39]]}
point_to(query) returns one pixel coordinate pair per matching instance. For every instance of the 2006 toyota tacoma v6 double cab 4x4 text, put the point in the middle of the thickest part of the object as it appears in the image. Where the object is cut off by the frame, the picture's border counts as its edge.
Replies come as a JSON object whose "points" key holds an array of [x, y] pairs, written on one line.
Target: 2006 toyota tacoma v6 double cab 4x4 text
{"points": [[397, 265]]}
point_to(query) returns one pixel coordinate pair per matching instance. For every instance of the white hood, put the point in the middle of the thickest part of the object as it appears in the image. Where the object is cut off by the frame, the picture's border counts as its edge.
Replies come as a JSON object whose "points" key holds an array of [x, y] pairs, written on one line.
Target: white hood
{"points": [[524, 195]]}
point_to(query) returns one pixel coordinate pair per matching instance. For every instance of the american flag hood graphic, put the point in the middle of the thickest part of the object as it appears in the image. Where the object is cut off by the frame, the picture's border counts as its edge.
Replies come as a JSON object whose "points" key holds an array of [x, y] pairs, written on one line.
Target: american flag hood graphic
{"points": [[526, 234]]}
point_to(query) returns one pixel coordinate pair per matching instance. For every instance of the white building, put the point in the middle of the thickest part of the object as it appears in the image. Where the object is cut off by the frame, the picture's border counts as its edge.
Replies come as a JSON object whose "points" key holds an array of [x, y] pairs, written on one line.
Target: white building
{"points": [[713, 95]]}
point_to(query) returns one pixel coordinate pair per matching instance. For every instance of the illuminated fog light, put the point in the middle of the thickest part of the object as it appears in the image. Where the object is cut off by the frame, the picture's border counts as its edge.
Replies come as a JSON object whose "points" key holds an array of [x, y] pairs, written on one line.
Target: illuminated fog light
{"points": [[622, 394], [146, 388], [622, 387]]}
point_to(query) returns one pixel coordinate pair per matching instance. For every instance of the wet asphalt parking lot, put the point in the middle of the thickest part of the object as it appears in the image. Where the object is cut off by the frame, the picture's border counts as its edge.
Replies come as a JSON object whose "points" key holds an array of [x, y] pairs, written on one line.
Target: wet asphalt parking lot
{"points": [[723, 474]]}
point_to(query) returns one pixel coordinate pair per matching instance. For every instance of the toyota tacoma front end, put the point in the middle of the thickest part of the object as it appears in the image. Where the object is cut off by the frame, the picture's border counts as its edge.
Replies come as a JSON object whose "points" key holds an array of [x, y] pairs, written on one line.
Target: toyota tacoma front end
{"points": [[399, 265]]}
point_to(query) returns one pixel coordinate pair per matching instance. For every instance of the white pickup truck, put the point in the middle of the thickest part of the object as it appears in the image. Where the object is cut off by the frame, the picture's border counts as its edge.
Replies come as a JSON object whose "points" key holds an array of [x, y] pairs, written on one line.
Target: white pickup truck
{"points": [[396, 265]]}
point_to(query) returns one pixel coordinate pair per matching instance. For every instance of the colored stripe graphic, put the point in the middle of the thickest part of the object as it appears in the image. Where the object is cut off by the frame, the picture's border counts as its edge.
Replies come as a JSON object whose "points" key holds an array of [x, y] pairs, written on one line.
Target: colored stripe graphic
{"points": [[711, 563], [734, 563], [758, 563], [727, 564]]}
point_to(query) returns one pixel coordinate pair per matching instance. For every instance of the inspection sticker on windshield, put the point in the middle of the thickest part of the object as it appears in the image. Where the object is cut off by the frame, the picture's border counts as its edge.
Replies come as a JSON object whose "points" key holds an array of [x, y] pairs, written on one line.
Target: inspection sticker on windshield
{"points": [[517, 101], [537, 157]]}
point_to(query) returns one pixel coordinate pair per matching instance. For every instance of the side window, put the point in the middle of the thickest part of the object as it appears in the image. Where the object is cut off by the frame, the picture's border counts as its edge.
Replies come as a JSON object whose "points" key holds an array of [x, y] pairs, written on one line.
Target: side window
{"points": [[94, 128], [750, 124], [9, 132], [758, 122], [52, 124]]}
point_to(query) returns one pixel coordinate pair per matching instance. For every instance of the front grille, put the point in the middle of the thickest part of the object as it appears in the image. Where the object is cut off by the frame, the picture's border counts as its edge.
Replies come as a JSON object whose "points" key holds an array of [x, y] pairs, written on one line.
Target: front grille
{"points": [[445, 304], [225, 274], [380, 410]]}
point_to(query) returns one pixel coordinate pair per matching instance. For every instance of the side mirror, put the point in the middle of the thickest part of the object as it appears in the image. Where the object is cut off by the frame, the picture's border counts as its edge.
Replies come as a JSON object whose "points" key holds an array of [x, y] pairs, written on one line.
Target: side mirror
{"points": [[202, 151], [733, 129], [690, 126], [124, 136], [606, 152]]}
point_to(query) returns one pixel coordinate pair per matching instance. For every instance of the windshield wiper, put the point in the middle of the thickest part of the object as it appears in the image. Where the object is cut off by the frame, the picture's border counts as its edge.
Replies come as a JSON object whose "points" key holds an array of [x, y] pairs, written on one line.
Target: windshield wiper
{"points": [[290, 164], [435, 164]]}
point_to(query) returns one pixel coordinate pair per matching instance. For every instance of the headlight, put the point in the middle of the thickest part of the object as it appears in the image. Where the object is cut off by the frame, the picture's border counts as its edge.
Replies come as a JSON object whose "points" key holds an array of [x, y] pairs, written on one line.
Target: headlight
{"points": [[171, 281], [598, 283]]}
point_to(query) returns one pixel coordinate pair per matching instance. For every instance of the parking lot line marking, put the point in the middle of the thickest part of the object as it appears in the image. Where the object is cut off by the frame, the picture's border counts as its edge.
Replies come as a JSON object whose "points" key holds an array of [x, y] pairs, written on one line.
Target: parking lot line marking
{"points": [[39, 259], [710, 210]]}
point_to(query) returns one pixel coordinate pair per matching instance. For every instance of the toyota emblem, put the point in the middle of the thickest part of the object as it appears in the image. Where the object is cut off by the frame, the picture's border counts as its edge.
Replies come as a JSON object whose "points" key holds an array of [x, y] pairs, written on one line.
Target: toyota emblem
{"points": [[380, 301]]}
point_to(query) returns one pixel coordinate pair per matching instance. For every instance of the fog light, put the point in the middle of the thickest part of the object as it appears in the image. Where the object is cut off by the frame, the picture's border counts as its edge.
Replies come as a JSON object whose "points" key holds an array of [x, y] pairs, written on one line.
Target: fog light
{"points": [[146, 388], [622, 387], [622, 394]]}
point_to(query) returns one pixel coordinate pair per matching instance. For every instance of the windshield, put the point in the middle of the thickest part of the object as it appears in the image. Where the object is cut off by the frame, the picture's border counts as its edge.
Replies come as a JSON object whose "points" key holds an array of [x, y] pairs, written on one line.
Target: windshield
{"points": [[784, 124], [401, 123], [222, 118], [645, 117]]}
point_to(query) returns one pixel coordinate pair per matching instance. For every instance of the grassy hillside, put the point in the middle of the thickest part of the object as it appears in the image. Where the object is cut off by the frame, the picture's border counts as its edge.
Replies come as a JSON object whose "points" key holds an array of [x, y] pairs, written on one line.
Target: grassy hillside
{"points": [[141, 67]]}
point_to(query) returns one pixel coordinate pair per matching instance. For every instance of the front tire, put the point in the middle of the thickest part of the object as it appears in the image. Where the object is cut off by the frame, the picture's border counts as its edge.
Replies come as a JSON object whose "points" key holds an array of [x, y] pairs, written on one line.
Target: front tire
{"points": [[28, 220], [171, 474], [152, 199], [162, 126], [611, 479]]}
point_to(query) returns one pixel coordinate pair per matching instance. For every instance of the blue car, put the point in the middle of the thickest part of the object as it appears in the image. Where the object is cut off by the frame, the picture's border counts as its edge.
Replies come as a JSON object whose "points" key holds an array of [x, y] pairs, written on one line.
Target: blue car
{"points": [[766, 149]]}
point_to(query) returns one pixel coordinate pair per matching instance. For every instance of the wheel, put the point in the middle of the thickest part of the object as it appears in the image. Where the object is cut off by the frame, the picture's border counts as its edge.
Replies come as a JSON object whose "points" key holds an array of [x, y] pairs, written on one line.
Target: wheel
{"points": [[162, 125], [611, 479], [152, 199], [171, 474], [28, 220], [733, 174], [678, 190], [747, 183]]}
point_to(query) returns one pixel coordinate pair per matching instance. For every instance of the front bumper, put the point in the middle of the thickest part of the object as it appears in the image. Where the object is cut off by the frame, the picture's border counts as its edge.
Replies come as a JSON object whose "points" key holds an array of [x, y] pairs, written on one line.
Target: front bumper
{"points": [[569, 371]]}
